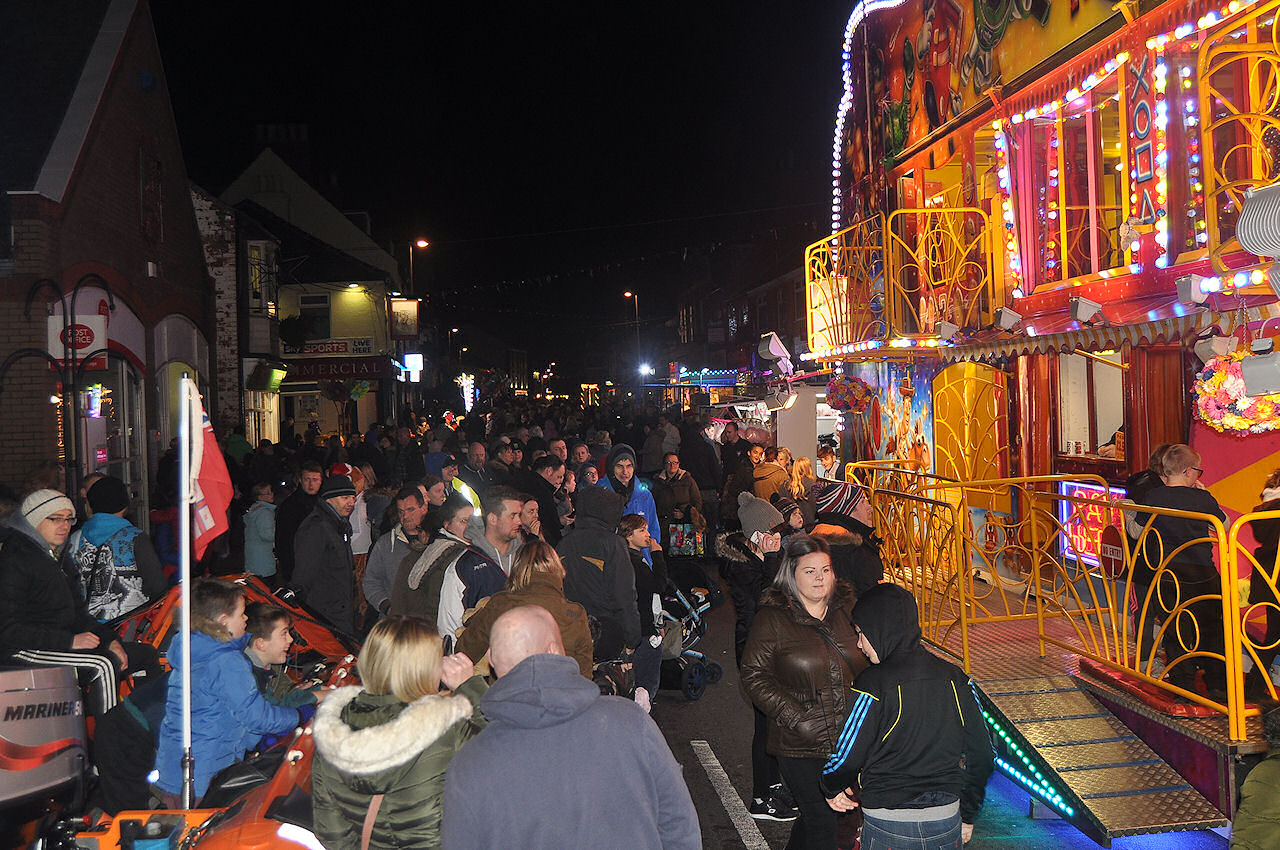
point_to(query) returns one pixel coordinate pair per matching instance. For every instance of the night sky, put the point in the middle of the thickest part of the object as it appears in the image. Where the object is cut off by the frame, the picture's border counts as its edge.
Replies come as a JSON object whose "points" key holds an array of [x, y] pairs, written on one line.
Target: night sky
{"points": [[552, 153]]}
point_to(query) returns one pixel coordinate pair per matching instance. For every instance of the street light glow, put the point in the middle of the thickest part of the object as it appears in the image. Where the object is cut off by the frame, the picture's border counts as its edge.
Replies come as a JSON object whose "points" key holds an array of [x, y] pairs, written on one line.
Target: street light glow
{"points": [[422, 243], [627, 294]]}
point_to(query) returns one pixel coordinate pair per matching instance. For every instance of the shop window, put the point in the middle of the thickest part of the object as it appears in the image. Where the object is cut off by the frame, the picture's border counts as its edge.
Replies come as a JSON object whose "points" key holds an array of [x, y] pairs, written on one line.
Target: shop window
{"points": [[262, 279], [1090, 402], [1069, 187], [314, 310]]}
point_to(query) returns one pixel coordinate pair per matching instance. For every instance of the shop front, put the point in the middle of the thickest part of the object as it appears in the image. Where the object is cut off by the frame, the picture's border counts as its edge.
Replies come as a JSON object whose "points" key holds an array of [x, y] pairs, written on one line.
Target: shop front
{"points": [[336, 394], [110, 418]]}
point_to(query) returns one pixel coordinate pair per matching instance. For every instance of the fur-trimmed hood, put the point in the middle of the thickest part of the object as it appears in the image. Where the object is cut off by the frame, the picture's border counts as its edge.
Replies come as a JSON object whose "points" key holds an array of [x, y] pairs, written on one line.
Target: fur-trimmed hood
{"points": [[436, 556], [733, 546], [385, 745]]}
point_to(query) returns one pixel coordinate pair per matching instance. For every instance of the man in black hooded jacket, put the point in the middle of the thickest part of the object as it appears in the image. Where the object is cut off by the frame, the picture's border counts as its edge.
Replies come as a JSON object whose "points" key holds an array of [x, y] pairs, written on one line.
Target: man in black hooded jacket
{"points": [[916, 761], [597, 571]]}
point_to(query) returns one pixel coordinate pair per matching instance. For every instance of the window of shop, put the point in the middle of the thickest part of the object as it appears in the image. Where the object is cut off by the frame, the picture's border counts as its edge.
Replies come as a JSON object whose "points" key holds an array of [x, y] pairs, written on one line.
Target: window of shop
{"points": [[262, 279], [1090, 402], [112, 426], [1069, 187], [262, 416], [314, 310]]}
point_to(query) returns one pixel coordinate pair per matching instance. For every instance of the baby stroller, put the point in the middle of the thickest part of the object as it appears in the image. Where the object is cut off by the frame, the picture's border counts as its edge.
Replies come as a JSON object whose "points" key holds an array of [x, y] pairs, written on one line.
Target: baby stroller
{"points": [[683, 666]]}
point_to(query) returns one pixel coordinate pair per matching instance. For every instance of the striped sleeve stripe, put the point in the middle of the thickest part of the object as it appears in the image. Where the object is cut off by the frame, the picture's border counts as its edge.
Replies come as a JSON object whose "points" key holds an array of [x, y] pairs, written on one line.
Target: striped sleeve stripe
{"points": [[850, 732], [848, 726], [104, 673]]}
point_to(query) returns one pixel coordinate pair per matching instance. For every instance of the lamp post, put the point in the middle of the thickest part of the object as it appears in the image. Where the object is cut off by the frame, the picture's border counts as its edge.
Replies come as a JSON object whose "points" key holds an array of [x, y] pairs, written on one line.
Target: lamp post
{"points": [[635, 298], [417, 243]]}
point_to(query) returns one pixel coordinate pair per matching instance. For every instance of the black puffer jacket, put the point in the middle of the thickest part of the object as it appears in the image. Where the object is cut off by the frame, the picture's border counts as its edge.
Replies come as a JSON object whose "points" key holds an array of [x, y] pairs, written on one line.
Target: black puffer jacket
{"points": [[915, 736], [796, 677], [40, 606], [748, 575], [855, 551]]}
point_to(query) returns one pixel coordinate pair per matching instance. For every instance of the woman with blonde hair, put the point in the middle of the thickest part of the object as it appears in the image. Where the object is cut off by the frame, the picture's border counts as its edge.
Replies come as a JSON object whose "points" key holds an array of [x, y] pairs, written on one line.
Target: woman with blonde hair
{"points": [[1191, 573], [800, 488], [377, 779], [537, 578]]}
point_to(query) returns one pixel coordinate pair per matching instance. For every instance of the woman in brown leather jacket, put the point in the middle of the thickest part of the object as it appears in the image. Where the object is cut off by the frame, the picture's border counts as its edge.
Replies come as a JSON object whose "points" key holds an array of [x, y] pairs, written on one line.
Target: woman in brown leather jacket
{"points": [[800, 660]]}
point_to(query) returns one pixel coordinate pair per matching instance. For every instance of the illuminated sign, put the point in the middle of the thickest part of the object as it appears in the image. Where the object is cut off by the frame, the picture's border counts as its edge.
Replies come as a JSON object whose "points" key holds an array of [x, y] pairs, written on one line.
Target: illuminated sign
{"points": [[1083, 524]]}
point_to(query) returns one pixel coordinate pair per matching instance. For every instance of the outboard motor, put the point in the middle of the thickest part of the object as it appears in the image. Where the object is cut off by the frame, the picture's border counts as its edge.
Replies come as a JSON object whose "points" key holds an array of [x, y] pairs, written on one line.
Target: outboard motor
{"points": [[42, 732]]}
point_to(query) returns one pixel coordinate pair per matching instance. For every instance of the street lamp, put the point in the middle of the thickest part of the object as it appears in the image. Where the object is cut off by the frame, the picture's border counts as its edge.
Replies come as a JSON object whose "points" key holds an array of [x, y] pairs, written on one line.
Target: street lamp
{"points": [[635, 298], [417, 243], [452, 331]]}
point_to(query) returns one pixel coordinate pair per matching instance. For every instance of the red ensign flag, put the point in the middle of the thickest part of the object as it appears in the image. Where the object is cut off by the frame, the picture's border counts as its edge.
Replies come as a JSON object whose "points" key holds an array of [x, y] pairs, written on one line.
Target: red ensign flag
{"points": [[211, 489]]}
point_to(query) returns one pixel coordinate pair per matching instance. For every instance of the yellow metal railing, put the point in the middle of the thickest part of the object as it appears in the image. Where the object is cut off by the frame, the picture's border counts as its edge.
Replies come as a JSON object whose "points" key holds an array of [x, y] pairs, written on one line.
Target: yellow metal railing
{"points": [[844, 284], [975, 570], [921, 551], [902, 474], [1239, 88], [1268, 582], [939, 263], [1049, 561], [1147, 609]]}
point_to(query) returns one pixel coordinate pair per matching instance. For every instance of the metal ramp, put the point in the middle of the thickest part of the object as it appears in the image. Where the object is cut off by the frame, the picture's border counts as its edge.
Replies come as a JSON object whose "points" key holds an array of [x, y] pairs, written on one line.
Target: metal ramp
{"points": [[1055, 738], [1065, 748]]}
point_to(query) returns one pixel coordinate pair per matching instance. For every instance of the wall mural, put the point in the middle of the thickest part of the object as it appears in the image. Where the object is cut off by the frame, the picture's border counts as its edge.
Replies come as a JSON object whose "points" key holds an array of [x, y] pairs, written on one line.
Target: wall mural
{"points": [[930, 60], [898, 423]]}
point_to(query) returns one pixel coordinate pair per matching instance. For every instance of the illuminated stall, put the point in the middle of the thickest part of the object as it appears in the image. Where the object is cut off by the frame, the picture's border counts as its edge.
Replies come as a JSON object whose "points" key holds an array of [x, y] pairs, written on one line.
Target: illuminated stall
{"points": [[1033, 212], [1039, 270]]}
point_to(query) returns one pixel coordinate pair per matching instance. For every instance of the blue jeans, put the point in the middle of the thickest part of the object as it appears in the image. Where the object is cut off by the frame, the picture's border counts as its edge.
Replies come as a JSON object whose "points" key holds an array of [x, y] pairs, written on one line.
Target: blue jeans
{"points": [[880, 834]]}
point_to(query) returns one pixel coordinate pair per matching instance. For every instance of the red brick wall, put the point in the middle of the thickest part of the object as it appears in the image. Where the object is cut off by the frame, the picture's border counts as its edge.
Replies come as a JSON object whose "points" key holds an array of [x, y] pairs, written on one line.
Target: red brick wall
{"points": [[98, 228]]}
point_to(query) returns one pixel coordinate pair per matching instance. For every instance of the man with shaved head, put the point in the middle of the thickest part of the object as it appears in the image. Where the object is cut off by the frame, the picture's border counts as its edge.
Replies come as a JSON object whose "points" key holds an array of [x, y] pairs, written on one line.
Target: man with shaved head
{"points": [[520, 633], [546, 719]]}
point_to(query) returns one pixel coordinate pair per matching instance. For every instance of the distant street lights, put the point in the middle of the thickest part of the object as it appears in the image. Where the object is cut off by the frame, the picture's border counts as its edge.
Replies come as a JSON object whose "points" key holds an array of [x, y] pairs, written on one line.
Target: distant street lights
{"points": [[417, 243]]}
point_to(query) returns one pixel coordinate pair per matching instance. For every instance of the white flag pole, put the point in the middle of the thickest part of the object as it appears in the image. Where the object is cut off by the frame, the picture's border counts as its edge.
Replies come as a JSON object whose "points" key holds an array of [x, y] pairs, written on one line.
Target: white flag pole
{"points": [[184, 571]]}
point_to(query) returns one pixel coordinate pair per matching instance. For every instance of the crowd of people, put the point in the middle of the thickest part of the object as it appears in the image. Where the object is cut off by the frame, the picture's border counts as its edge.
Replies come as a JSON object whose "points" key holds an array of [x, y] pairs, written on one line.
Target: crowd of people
{"points": [[490, 570]]}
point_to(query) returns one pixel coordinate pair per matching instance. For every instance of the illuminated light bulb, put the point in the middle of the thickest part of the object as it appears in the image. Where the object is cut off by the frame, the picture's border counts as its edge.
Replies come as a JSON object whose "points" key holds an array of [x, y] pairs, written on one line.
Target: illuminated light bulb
{"points": [[1256, 276]]}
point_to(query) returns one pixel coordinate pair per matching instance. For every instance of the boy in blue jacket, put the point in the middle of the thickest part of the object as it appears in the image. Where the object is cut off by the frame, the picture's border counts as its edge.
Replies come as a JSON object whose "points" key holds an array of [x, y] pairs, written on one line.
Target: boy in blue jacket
{"points": [[228, 713]]}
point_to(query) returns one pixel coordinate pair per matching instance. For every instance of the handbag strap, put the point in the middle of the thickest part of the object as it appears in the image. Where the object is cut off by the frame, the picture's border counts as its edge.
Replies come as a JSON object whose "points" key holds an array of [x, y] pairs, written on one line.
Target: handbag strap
{"points": [[837, 647], [366, 831]]}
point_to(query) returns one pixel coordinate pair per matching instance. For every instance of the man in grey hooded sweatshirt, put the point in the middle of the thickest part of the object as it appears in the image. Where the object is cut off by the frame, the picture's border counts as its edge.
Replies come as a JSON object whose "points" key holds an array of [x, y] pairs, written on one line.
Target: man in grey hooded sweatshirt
{"points": [[547, 721]]}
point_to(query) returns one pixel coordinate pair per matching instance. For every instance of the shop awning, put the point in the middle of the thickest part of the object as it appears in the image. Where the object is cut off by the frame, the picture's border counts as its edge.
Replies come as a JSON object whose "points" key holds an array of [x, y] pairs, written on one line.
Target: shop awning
{"points": [[1040, 334]]}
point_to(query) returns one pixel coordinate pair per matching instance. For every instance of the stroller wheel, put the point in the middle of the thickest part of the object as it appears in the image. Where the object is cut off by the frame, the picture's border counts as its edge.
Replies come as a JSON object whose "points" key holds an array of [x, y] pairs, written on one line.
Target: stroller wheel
{"points": [[714, 672], [693, 681]]}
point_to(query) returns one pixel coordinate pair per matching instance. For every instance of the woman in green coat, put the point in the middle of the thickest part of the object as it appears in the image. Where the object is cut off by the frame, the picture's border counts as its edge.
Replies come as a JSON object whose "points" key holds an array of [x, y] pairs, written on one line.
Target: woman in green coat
{"points": [[377, 780], [1256, 825]]}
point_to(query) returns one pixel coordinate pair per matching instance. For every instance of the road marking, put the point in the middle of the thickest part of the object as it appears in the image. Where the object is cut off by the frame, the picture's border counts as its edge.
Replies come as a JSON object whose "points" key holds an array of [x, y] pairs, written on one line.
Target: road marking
{"points": [[742, 820]]}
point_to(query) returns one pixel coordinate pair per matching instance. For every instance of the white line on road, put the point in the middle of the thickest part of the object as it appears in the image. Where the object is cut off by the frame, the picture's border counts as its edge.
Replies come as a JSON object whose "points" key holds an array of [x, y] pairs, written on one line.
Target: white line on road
{"points": [[747, 829]]}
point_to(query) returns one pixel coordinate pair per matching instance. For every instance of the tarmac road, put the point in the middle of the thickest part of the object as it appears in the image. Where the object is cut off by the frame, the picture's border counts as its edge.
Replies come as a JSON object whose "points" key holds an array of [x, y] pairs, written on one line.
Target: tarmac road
{"points": [[711, 738]]}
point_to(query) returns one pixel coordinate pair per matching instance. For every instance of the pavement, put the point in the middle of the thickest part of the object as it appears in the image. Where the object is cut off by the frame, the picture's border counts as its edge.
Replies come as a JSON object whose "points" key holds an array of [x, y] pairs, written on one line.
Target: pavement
{"points": [[711, 738]]}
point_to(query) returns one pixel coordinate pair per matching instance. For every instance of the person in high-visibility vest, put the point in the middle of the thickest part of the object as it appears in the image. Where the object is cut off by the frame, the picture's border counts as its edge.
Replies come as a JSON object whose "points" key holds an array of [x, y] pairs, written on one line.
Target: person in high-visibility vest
{"points": [[449, 474]]}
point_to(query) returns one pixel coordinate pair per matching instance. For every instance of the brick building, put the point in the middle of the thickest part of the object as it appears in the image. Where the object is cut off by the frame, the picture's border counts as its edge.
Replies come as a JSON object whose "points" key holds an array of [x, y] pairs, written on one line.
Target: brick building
{"points": [[94, 200]]}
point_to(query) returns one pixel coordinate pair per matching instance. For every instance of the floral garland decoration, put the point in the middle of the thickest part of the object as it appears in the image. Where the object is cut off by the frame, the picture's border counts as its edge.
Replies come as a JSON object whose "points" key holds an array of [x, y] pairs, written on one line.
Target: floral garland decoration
{"points": [[848, 393], [1221, 402]]}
